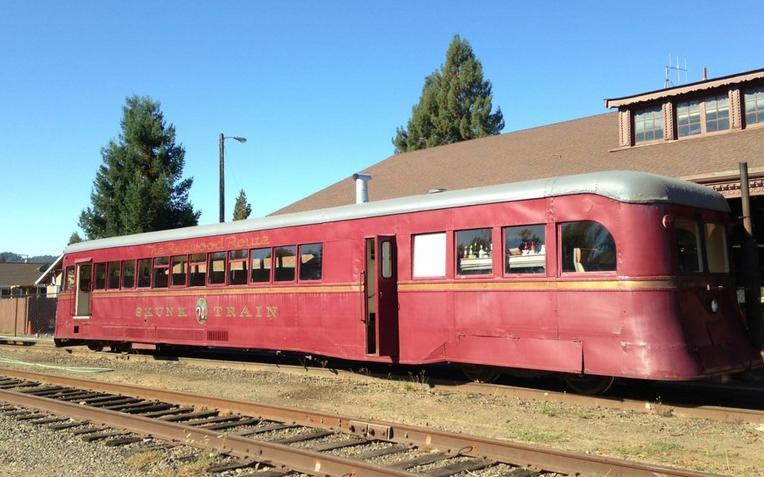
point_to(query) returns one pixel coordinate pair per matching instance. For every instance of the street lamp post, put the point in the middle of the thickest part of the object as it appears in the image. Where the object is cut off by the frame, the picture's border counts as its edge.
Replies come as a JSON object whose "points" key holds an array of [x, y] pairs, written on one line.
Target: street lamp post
{"points": [[222, 171]]}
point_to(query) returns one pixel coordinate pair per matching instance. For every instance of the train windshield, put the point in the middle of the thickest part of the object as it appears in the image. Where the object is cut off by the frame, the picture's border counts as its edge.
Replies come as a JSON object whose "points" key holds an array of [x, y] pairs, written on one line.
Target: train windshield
{"points": [[716, 248], [689, 234]]}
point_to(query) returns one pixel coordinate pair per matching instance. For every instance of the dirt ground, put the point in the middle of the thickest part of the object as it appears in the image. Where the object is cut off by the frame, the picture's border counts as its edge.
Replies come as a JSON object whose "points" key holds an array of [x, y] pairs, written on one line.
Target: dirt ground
{"points": [[697, 444]]}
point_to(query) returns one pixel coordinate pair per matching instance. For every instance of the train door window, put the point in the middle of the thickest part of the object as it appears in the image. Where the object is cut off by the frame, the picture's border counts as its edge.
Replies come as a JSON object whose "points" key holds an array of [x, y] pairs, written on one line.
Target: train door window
{"points": [[524, 249], [128, 274], [161, 272], [237, 267], [429, 255], [387, 259], [286, 261], [217, 268], [311, 258], [198, 270], [69, 280], [261, 265], [144, 273], [716, 248], [179, 270], [113, 272], [100, 276], [474, 252], [587, 246], [687, 237]]}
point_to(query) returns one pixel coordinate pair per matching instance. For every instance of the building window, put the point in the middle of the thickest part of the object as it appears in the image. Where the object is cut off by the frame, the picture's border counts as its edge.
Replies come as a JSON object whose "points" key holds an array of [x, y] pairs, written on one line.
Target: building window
{"points": [[648, 125], [587, 246], [688, 118], [525, 249], [430, 255], [311, 257], [717, 113], [474, 252], [754, 105]]}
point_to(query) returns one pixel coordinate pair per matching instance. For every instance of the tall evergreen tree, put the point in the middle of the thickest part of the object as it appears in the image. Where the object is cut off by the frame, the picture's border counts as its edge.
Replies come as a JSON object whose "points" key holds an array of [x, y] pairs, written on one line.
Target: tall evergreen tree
{"points": [[455, 104], [139, 187], [74, 238], [242, 208]]}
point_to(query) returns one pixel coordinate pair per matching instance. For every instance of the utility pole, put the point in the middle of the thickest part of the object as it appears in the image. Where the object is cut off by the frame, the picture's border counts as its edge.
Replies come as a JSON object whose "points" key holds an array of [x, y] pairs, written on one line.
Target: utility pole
{"points": [[223, 137]]}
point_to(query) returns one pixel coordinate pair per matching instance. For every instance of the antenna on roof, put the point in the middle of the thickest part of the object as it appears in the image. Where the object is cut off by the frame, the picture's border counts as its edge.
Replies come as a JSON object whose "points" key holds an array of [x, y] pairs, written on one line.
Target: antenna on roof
{"points": [[669, 68]]}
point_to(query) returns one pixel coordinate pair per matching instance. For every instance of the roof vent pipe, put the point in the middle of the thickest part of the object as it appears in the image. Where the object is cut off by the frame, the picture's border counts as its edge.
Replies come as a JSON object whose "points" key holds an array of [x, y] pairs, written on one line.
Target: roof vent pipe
{"points": [[361, 187]]}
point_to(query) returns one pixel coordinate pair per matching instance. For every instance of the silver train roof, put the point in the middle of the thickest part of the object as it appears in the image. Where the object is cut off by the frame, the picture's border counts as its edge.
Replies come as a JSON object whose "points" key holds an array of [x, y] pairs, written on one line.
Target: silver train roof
{"points": [[623, 186]]}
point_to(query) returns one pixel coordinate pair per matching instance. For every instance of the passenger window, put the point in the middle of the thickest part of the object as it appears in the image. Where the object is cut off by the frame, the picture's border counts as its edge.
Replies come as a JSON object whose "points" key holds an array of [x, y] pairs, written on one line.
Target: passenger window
{"points": [[237, 267], [179, 270], [198, 270], [144, 273], [524, 249], [161, 272], [113, 270], [429, 255], [474, 252], [128, 274], [217, 268], [285, 264], [311, 258], [69, 281], [261, 265], [100, 276], [716, 248], [687, 238], [587, 246]]}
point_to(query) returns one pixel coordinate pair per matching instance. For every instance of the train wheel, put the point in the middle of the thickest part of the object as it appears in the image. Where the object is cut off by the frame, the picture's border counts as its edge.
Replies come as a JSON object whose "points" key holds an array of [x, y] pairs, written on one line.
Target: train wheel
{"points": [[95, 346], [481, 374], [589, 385]]}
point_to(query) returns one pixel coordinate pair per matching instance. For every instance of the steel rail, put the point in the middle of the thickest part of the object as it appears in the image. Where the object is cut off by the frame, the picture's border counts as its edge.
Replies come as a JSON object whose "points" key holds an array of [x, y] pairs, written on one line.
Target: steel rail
{"points": [[301, 460], [428, 439], [717, 413]]}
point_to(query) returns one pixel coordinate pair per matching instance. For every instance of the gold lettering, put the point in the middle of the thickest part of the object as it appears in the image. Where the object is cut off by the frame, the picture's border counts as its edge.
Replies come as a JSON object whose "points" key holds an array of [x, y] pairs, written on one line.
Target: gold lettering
{"points": [[159, 310], [230, 312], [218, 310], [138, 311], [148, 312], [272, 311], [245, 313], [182, 311], [258, 312], [168, 311]]}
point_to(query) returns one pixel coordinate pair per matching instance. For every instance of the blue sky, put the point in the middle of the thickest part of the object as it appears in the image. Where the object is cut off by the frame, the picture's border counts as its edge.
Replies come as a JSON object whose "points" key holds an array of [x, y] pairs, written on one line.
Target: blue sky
{"points": [[318, 88]]}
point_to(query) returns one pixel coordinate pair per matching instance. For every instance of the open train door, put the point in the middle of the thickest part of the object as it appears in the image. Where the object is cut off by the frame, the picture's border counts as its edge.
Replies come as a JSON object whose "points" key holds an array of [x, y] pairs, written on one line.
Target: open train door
{"points": [[381, 285], [82, 297]]}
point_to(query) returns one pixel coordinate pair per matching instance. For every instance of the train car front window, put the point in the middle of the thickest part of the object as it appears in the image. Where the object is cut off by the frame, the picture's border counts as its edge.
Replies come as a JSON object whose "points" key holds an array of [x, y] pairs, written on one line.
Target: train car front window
{"points": [[474, 252], [128, 274], [311, 257], [687, 238], [217, 268], [261, 265], [198, 270], [716, 248], [100, 276], [524, 249], [144, 273], [69, 282], [161, 272], [285, 263], [179, 270], [114, 270], [587, 246]]}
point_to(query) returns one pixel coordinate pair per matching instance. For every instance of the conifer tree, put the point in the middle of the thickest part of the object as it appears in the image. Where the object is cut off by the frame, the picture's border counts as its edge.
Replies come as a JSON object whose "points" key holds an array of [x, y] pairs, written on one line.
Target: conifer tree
{"points": [[242, 208], [74, 238], [139, 187], [455, 104]]}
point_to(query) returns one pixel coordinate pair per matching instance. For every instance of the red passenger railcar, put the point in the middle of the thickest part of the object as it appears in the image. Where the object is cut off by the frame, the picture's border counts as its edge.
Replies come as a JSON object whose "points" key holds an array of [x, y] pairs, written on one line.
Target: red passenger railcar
{"points": [[606, 274]]}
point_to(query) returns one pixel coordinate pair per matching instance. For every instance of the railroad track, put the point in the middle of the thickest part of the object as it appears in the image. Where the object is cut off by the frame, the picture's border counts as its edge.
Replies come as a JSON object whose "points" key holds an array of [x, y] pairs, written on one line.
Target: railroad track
{"points": [[294, 440], [719, 413]]}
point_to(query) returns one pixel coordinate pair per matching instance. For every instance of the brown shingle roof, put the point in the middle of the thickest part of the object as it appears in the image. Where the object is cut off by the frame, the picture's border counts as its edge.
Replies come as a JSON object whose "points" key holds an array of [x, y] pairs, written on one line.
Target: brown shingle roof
{"points": [[582, 145], [20, 274]]}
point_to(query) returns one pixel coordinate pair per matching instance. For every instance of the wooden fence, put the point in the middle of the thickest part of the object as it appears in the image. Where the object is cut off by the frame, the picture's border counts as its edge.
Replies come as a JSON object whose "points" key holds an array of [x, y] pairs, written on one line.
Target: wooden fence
{"points": [[29, 315]]}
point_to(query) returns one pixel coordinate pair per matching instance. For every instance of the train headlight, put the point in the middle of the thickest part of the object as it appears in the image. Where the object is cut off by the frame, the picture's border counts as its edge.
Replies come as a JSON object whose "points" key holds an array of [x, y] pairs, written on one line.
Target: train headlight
{"points": [[712, 305]]}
